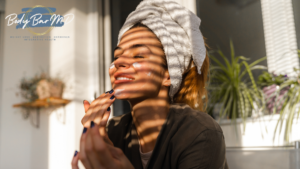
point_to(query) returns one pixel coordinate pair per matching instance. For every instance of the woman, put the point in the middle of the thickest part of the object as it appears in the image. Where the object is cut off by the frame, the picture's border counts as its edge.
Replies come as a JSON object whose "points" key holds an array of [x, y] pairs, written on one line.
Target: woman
{"points": [[161, 69]]}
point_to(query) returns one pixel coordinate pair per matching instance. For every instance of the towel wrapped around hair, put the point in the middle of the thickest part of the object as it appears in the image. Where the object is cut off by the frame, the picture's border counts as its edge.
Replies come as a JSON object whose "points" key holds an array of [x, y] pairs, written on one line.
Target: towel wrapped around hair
{"points": [[178, 29]]}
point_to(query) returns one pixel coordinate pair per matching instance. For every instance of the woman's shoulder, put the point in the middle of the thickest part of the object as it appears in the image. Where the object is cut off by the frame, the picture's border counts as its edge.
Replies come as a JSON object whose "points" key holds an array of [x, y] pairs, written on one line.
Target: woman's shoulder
{"points": [[190, 118], [197, 137]]}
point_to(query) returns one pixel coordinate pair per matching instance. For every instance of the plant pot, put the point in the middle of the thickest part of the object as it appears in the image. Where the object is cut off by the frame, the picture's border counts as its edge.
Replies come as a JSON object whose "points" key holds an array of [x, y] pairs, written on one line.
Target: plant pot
{"points": [[46, 89], [43, 89], [56, 88]]}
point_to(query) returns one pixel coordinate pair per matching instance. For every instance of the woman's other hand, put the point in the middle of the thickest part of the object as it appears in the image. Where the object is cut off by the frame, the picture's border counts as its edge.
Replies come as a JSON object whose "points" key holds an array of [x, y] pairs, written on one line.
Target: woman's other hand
{"points": [[75, 159], [96, 153], [98, 112]]}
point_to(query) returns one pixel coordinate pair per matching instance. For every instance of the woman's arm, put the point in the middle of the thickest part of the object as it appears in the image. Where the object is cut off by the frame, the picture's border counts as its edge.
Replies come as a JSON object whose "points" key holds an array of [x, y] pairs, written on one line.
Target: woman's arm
{"points": [[207, 151]]}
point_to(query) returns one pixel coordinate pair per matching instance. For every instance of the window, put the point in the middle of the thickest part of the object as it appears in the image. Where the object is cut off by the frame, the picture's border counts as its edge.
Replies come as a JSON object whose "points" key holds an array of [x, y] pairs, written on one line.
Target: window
{"points": [[239, 21], [296, 8]]}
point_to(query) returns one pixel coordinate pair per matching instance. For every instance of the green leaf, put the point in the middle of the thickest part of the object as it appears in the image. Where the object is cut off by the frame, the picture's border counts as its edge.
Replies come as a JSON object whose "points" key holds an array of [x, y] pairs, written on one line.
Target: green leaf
{"points": [[226, 62], [251, 76], [228, 88], [224, 69], [232, 52], [258, 67]]}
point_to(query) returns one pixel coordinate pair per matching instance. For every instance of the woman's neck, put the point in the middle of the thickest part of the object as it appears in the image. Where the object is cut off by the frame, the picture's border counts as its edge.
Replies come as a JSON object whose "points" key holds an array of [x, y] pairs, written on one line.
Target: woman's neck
{"points": [[148, 116]]}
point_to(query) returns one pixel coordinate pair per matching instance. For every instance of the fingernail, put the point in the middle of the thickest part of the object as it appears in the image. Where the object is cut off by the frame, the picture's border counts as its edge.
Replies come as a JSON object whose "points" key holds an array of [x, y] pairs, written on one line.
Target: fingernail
{"points": [[84, 130], [112, 97], [106, 92], [108, 109], [76, 152], [111, 91], [92, 124]]}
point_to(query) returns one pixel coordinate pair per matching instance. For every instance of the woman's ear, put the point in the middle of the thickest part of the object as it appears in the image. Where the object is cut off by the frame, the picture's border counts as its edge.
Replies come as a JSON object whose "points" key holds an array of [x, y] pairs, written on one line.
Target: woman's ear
{"points": [[166, 79]]}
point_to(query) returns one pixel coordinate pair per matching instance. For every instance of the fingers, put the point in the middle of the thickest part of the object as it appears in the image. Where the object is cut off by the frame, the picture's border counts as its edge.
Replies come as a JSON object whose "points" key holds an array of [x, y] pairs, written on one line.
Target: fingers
{"points": [[122, 160], [101, 149], [95, 153], [105, 118], [93, 150], [90, 151], [105, 108], [83, 156], [85, 120], [116, 152], [99, 117], [86, 105], [75, 159], [102, 127], [101, 106], [97, 109]]}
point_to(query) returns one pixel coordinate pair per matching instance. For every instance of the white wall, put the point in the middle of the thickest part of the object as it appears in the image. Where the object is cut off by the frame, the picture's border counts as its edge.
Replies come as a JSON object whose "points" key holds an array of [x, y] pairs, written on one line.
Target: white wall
{"points": [[52, 145], [2, 5]]}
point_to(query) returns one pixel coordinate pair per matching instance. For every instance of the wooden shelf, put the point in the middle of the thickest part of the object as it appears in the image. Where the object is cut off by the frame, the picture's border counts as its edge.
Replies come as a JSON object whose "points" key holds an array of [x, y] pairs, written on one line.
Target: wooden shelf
{"points": [[41, 103], [51, 101]]}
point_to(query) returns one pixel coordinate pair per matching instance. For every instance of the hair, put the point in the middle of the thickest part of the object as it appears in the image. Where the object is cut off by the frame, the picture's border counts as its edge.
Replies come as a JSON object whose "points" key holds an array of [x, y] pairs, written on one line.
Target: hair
{"points": [[192, 90]]}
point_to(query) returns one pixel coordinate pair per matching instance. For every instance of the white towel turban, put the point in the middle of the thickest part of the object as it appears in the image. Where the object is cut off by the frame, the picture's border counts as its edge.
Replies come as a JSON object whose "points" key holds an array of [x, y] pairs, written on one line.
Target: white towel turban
{"points": [[178, 30]]}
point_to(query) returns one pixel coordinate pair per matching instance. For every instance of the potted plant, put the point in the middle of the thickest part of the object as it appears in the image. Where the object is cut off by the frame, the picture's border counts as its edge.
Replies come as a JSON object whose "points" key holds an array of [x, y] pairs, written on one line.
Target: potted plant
{"points": [[41, 87], [270, 82], [290, 108], [233, 86]]}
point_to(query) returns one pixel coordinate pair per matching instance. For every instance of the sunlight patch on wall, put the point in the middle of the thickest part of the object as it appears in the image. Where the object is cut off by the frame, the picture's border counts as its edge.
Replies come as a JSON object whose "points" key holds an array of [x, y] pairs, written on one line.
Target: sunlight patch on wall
{"points": [[68, 60]]}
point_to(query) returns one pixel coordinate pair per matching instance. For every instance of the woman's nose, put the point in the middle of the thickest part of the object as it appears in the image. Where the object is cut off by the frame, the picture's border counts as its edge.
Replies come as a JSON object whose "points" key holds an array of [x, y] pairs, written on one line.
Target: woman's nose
{"points": [[123, 62]]}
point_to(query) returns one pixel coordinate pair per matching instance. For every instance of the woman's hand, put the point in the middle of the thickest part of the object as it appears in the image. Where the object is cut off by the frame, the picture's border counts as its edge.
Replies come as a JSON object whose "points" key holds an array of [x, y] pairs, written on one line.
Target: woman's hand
{"points": [[95, 153], [98, 112]]}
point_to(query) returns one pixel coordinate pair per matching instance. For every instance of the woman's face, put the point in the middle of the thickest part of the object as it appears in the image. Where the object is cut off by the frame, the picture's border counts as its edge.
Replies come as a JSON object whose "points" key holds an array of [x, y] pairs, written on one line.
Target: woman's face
{"points": [[137, 71]]}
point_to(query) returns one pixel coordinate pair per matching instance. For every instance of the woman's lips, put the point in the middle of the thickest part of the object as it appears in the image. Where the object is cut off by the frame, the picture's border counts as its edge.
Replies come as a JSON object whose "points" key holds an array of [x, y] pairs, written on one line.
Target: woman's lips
{"points": [[123, 78], [122, 81]]}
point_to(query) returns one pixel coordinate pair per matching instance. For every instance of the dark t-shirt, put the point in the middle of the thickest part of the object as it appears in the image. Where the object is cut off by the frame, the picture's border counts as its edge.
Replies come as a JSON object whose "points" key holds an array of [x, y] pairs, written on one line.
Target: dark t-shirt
{"points": [[189, 139]]}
